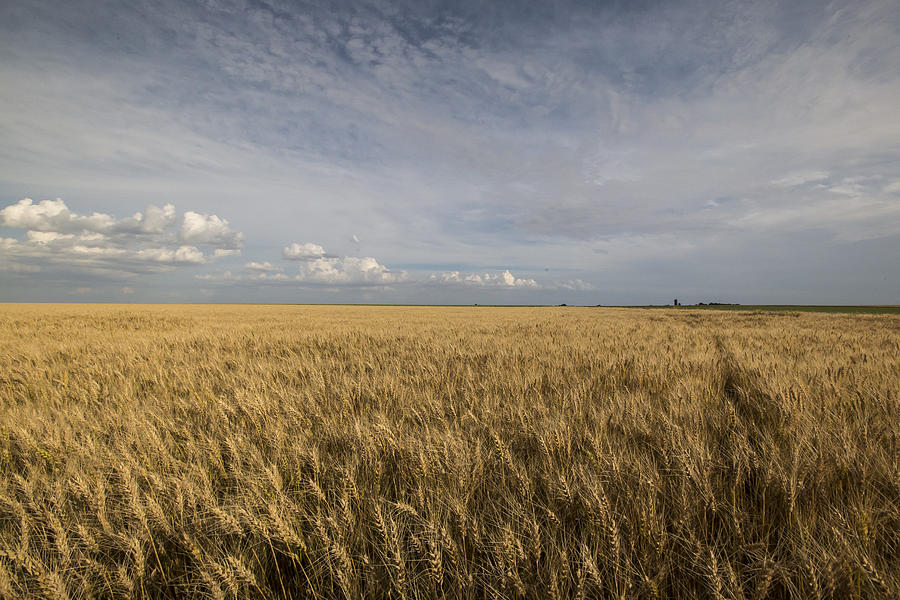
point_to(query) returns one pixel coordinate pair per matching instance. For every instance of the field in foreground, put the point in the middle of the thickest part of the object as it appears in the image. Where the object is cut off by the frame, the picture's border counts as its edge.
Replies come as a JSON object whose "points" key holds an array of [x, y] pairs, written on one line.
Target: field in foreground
{"points": [[299, 452]]}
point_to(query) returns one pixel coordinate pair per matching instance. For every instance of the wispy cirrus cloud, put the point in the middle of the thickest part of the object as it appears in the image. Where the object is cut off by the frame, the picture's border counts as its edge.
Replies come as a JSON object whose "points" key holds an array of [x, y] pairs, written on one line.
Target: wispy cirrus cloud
{"points": [[615, 144]]}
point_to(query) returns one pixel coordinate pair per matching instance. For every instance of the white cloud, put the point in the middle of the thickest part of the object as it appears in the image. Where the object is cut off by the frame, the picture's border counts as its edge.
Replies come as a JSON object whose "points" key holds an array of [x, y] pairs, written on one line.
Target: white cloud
{"points": [[181, 255], [47, 237], [272, 277], [305, 251], [222, 252], [316, 268], [348, 270], [55, 234], [263, 267], [127, 290], [496, 280], [852, 187], [800, 177], [210, 230], [153, 220], [55, 216], [95, 251], [52, 215], [577, 285], [87, 244]]}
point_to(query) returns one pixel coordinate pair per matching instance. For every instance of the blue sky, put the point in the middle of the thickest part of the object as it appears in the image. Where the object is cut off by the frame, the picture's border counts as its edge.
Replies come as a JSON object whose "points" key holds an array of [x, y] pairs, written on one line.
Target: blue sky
{"points": [[450, 152]]}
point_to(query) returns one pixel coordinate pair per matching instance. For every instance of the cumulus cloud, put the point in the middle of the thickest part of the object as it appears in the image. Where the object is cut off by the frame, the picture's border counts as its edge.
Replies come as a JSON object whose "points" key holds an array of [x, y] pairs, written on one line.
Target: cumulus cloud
{"points": [[490, 280], [305, 251], [55, 216], [186, 255], [154, 220], [223, 252], [210, 230], [51, 215], [316, 268], [47, 237], [39, 243], [348, 270], [263, 267], [57, 235]]}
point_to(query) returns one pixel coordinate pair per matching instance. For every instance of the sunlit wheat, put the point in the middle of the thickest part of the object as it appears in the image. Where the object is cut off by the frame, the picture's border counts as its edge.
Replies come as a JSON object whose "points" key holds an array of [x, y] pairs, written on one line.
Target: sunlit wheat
{"points": [[388, 452]]}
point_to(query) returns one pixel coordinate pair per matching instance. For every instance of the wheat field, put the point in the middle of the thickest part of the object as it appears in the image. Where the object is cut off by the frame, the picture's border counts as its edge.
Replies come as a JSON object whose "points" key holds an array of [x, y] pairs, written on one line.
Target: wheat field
{"points": [[402, 452]]}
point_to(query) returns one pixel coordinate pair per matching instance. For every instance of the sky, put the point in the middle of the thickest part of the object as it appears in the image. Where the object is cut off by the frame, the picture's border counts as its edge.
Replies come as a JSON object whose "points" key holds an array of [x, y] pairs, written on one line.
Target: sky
{"points": [[450, 152]]}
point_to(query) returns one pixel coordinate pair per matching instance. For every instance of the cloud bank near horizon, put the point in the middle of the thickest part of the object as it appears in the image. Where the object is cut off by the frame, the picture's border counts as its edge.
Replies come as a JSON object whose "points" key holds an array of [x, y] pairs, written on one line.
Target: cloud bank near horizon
{"points": [[100, 243]]}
